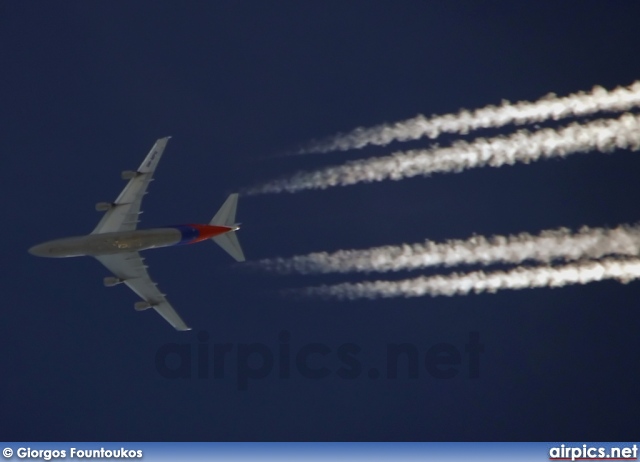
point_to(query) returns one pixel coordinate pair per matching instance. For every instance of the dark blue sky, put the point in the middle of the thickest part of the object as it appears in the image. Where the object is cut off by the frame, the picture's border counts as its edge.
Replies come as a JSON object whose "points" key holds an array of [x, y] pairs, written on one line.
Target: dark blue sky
{"points": [[87, 88]]}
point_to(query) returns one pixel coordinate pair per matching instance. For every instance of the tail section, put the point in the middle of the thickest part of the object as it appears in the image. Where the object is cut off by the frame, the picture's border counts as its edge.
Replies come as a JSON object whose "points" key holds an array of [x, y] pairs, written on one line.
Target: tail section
{"points": [[226, 216]]}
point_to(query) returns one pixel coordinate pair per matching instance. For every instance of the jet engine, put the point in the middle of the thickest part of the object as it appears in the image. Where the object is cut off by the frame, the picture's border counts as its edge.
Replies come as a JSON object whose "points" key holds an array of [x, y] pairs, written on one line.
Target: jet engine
{"points": [[103, 206], [128, 174], [111, 281], [141, 306]]}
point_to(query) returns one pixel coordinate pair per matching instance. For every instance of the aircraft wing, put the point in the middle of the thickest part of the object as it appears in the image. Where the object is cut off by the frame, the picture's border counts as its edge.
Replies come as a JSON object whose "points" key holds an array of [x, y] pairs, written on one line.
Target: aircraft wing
{"points": [[130, 268], [124, 211]]}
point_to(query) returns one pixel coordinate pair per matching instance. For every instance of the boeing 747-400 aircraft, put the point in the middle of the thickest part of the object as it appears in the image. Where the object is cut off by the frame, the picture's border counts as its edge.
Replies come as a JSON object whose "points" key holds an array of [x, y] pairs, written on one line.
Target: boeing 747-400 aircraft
{"points": [[115, 242]]}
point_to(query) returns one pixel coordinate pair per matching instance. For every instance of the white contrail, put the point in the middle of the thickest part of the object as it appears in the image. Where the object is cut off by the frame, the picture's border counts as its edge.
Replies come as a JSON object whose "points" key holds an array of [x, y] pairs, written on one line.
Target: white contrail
{"points": [[602, 135], [581, 272], [546, 247], [549, 107]]}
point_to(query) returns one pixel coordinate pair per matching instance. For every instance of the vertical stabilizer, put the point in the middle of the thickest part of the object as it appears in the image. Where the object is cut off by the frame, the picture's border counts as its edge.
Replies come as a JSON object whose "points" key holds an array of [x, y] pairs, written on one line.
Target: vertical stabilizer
{"points": [[226, 216]]}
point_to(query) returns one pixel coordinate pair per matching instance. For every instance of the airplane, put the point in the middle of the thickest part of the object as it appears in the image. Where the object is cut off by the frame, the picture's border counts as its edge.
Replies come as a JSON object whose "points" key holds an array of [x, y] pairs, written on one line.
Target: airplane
{"points": [[115, 242]]}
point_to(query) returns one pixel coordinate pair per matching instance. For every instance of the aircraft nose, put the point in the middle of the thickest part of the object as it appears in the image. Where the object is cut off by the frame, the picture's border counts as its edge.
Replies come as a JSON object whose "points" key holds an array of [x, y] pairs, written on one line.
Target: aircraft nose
{"points": [[39, 250]]}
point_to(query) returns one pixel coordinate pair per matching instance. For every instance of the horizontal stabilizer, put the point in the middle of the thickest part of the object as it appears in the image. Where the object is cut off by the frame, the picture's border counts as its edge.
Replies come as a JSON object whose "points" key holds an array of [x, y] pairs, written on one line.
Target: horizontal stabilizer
{"points": [[229, 242]]}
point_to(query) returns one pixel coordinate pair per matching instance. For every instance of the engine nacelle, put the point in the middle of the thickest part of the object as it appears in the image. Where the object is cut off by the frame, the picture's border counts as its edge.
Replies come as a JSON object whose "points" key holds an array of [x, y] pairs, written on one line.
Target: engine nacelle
{"points": [[111, 281], [103, 206], [141, 306], [128, 174]]}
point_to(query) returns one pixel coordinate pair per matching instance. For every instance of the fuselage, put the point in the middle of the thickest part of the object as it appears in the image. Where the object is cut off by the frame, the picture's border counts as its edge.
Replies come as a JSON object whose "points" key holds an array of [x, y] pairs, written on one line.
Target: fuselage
{"points": [[127, 241]]}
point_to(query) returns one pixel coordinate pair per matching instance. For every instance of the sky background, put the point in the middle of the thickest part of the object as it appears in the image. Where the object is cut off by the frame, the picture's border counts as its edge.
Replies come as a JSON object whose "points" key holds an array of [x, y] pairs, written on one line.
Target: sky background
{"points": [[86, 89]]}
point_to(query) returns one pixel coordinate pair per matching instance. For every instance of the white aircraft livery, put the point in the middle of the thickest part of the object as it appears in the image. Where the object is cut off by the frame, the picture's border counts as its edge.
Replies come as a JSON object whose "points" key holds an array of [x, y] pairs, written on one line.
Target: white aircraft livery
{"points": [[116, 242]]}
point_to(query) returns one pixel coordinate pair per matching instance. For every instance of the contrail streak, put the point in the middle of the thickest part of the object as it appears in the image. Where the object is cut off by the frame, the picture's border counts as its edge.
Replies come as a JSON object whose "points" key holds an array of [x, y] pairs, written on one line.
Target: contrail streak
{"points": [[581, 272], [546, 247], [549, 107], [602, 135]]}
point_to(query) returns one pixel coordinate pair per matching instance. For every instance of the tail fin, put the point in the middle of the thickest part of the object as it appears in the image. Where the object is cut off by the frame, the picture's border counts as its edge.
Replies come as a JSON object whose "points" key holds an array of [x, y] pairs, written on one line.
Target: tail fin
{"points": [[226, 216]]}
